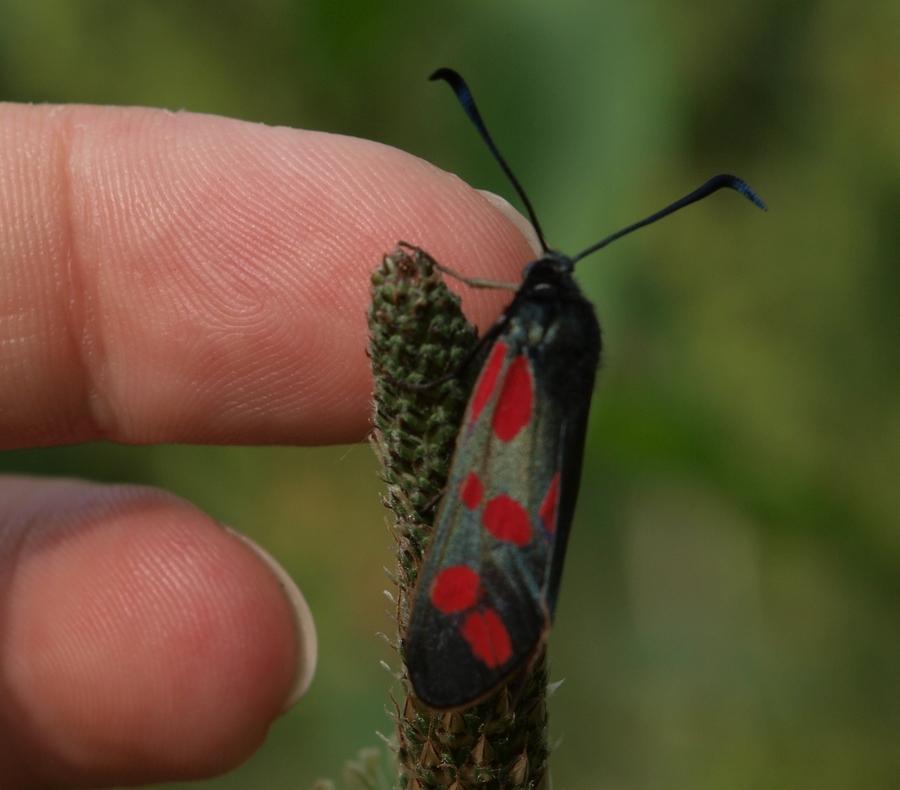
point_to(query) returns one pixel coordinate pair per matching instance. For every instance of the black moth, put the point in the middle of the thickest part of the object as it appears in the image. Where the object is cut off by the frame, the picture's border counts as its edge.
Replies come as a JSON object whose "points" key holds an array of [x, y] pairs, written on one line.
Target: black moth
{"points": [[485, 599]]}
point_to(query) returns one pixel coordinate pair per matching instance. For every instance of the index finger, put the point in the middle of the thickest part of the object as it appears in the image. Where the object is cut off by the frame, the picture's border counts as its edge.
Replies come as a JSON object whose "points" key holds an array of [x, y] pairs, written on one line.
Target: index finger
{"points": [[172, 277]]}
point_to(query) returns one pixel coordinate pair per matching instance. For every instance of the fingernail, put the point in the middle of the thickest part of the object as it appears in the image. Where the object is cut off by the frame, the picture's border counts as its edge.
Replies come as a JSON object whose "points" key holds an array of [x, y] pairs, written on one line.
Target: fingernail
{"points": [[304, 626], [513, 215]]}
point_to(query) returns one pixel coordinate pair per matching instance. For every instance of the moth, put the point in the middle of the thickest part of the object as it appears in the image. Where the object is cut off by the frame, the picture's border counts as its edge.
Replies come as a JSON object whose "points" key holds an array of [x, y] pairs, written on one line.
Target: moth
{"points": [[486, 597]]}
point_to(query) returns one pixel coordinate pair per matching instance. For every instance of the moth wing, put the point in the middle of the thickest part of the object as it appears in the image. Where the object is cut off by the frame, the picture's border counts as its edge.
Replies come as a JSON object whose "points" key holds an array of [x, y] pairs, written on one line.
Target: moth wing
{"points": [[490, 532]]}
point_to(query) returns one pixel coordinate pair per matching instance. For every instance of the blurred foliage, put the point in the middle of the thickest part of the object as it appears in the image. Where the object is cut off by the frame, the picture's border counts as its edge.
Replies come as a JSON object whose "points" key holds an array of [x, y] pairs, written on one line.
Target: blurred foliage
{"points": [[730, 616]]}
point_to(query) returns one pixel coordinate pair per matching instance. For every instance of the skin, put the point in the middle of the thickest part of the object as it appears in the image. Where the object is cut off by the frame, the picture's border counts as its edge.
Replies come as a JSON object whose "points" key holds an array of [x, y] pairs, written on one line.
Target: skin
{"points": [[169, 277]]}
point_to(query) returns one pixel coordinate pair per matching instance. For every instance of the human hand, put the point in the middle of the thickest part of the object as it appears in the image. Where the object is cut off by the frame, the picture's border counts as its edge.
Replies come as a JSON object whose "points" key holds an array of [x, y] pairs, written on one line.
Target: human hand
{"points": [[169, 277]]}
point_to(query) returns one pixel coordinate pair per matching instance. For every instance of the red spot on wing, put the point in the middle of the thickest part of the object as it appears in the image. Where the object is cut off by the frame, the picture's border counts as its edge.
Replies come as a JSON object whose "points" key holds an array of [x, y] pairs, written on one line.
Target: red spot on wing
{"points": [[472, 491], [513, 410], [507, 520], [547, 512], [488, 638], [455, 588], [488, 379]]}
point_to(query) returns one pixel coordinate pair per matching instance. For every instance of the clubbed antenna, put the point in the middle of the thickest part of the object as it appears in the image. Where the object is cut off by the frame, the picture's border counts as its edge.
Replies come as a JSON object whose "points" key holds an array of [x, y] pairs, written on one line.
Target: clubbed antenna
{"points": [[468, 104], [721, 181]]}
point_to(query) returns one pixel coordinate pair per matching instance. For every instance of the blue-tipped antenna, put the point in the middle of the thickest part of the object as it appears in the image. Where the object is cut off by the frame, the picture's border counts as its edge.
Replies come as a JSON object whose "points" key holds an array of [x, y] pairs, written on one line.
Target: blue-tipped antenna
{"points": [[722, 181], [468, 104]]}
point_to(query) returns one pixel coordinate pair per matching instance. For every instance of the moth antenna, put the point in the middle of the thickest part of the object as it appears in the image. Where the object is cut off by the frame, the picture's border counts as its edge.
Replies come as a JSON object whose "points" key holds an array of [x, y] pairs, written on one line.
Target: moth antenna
{"points": [[461, 89], [721, 181]]}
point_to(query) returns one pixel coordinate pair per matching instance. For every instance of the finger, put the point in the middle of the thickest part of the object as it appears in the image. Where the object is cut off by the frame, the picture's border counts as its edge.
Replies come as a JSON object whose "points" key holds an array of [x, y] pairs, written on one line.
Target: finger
{"points": [[187, 278], [140, 641]]}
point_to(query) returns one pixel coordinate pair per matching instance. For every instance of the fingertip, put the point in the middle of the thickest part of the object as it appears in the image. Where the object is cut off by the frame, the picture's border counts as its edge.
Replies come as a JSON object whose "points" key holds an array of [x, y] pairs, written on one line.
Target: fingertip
{"points": [[143, 643], [521, 222], [191, 278], [304, 624]]}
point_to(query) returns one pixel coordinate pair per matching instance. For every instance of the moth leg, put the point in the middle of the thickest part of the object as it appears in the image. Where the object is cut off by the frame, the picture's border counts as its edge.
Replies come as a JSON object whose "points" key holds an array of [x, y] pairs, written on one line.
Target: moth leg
{"points": [[472, 282]]}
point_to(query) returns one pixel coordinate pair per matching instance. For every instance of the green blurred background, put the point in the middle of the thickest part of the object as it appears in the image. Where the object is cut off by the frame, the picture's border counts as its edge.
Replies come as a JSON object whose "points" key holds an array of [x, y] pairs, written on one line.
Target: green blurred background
{"points": [[730, 616]]}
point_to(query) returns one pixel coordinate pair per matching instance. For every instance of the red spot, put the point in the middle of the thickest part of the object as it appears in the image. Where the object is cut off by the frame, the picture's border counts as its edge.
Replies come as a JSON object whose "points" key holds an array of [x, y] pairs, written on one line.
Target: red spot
{"points": [[488, 638], [471, 491], [488, 379], [547, 513], [513, 410], [507, 520], [455, 588]]}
